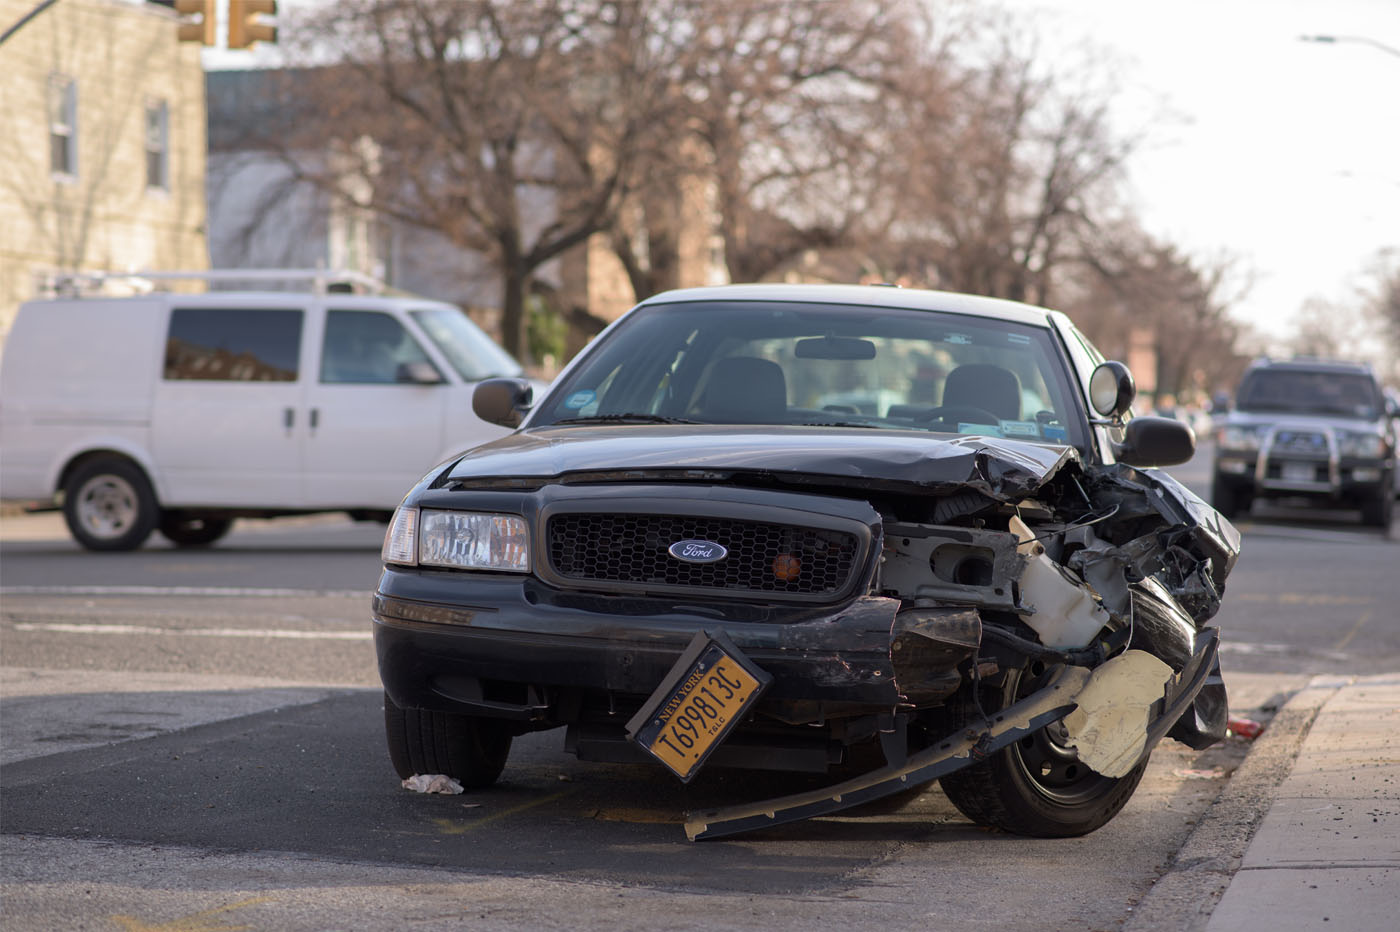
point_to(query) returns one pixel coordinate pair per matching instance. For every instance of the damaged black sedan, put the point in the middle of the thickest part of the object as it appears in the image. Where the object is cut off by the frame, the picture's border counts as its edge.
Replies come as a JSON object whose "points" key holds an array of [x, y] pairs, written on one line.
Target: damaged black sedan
{"points": [[782, 527]]}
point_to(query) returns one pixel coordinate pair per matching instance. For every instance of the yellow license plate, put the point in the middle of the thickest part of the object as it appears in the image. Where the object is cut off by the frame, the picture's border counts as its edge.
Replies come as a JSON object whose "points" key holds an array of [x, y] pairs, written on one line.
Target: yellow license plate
{"points": [[703, 698]]}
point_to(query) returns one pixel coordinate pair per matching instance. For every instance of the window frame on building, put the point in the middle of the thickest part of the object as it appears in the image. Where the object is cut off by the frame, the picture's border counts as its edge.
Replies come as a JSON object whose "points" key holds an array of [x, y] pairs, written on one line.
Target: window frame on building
{"points": [[157, 145], [63, 126]]}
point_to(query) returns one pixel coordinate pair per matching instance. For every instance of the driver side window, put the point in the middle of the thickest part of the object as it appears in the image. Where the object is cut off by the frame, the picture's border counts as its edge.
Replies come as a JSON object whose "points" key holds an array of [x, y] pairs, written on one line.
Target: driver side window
{"points": [[366, 348]]}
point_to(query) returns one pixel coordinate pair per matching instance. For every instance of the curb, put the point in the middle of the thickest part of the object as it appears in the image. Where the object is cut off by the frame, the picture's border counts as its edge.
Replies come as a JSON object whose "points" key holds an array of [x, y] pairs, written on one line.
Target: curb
{"points": [[1186, 895]]}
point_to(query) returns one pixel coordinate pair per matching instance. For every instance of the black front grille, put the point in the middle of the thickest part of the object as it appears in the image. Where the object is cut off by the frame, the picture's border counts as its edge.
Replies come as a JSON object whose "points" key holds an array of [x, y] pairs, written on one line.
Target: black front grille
{"points": [[1295, 441], [632, 551]]}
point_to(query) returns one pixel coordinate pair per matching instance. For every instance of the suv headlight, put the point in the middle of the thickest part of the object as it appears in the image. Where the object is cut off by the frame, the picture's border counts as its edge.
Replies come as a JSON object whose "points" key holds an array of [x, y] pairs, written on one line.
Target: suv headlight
{"points": [[1371, 446], [1238, 438], [460, 539]]}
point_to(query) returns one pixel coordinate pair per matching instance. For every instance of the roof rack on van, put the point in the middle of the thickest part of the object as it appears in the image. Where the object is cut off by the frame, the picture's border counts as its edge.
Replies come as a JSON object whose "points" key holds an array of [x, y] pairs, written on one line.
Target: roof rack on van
{"points": [[320, 281]]}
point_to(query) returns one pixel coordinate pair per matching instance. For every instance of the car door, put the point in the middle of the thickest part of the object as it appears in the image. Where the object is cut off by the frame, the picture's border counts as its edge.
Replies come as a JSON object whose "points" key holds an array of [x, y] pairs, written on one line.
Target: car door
{"points": [[225, 417], [375, 411]]}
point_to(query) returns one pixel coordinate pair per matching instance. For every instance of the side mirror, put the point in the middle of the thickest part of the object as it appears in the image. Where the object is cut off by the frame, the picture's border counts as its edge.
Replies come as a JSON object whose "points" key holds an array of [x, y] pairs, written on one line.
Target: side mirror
{"points": [[1155, 441], [420, 372], [1111, 389], [502, 401]]}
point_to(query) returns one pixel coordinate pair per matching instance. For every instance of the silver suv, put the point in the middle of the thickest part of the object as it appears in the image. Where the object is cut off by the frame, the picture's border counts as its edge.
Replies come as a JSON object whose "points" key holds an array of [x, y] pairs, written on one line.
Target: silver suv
{"points": [[1311, 429]]}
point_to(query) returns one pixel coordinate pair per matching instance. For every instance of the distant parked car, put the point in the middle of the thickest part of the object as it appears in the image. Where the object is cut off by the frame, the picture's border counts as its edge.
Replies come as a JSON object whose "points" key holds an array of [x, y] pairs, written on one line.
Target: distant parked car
{"points": [[1315, 430]]}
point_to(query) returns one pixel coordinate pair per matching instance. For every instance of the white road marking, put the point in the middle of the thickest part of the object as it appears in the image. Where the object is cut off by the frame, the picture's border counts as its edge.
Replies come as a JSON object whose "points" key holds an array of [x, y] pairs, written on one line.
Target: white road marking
{"points": [[215, 591], [284, 633]]}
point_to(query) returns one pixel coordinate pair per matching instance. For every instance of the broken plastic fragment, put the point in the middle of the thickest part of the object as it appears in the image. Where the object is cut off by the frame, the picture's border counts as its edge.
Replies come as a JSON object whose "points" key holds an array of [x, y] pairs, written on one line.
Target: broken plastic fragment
{"points": [[1109, 728], [1245, 727], [1062, 612], [433, 783]]}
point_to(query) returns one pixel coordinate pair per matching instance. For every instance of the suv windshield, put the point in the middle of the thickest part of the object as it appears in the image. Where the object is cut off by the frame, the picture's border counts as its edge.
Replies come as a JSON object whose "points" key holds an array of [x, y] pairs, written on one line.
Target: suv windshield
{"points": [[1303, 391], [826, 365], [470, 351]]}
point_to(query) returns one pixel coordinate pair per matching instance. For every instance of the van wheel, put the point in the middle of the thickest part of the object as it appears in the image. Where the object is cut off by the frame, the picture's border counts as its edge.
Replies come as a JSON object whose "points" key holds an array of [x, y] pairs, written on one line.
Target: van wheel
{"points": [[187, 530], [468, 747], [108, 504], [1037, 786]]}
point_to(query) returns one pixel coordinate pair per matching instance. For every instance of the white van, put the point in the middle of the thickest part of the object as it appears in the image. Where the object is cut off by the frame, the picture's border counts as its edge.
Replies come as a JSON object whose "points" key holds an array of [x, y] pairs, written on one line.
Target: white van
{"points": [[182, 412]]}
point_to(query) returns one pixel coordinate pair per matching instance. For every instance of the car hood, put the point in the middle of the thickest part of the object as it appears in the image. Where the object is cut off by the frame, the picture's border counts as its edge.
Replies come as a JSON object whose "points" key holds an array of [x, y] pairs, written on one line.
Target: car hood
{"points": [[1002, 469], [1313, 420]]}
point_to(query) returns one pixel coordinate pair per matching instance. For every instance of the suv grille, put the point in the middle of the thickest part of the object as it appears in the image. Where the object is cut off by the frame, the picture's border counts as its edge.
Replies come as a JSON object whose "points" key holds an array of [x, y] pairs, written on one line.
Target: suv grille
{"points": [[1294, 441], [631, 550]]}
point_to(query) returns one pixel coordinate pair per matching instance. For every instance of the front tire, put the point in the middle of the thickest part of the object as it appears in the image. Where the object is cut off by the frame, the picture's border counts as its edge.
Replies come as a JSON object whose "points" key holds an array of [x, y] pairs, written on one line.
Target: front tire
{"points": [[1036, 786], [1228, 500], [108, 504], [1379, 509], [470, 748]]}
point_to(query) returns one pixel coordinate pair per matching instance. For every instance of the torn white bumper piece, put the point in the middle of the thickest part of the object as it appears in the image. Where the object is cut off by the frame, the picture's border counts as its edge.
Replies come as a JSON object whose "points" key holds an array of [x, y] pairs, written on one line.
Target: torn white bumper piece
{"points": [[1110, 726]]}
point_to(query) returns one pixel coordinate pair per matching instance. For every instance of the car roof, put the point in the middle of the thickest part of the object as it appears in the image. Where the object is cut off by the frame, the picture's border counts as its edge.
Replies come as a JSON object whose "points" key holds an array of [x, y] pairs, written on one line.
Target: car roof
{"points": [[1313, 364], [873, 295], [250, 300]]}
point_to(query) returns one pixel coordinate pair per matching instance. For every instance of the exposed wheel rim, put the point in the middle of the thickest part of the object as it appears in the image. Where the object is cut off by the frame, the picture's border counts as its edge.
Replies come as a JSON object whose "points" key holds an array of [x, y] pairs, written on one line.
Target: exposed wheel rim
{"points": [[1048, 763], [107, 506]]}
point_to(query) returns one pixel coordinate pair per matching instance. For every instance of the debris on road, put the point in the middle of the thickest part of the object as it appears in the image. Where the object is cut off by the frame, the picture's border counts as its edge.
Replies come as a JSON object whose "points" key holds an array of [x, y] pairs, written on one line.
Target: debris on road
{"points": [[1244, 727], [433, 783]]}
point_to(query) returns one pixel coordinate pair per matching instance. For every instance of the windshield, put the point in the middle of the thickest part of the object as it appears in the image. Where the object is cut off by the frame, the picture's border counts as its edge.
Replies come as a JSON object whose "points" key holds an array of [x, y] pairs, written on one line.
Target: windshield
{"points": [[1345, 393], [470, 351], [826, 365]]}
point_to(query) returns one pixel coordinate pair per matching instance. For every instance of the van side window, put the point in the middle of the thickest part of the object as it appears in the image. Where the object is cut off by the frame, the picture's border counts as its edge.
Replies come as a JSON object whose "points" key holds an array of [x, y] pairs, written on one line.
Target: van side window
{"points": [[233, 345], [367, 347]]}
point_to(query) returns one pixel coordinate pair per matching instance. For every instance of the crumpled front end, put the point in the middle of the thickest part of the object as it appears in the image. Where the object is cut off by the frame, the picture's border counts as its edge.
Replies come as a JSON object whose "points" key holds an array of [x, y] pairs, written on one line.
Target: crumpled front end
{"points": [[881, 607], [1108, 576]]}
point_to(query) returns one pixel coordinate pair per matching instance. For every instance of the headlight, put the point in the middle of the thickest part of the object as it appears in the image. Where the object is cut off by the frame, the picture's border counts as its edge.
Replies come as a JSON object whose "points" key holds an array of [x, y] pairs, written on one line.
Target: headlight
{"points": [[1238, 438], [458, 538], [474, 541], [1368, 445]]}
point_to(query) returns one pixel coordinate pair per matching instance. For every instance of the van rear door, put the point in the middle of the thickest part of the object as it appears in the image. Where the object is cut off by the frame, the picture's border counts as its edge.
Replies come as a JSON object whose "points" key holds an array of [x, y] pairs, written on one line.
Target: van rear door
{"points": [[227, 420]]}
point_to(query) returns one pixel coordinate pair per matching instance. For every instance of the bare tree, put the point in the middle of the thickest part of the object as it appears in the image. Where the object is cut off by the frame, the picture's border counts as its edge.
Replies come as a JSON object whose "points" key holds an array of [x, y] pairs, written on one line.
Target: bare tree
{"points": [[1138, 289], [512, 129], [1010, 168], [1382, 301], [788, 99]]}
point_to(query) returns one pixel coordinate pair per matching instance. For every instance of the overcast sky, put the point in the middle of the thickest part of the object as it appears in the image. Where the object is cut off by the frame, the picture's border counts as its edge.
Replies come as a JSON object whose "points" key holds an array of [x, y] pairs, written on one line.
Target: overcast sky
{"points": [[1283, 153], [1288, 152]]}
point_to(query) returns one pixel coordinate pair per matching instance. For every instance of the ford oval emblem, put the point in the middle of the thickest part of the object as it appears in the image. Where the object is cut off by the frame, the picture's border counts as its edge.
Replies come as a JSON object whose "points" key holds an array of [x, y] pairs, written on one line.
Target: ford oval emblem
{"points": [[698, 551]]}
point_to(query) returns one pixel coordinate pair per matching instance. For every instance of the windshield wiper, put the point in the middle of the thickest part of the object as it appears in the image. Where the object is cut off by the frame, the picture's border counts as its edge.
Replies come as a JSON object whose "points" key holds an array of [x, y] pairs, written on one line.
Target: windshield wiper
{"points": [[625, 419]]}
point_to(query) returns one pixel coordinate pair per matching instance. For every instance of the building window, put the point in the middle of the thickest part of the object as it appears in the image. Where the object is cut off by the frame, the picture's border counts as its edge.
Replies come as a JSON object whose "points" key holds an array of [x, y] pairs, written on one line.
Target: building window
{"points": [[157, 145], [63, 126]]}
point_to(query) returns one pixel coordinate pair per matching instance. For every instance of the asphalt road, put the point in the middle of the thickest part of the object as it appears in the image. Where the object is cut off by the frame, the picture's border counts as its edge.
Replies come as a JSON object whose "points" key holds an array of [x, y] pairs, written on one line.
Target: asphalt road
{"points": [[193, 740]]}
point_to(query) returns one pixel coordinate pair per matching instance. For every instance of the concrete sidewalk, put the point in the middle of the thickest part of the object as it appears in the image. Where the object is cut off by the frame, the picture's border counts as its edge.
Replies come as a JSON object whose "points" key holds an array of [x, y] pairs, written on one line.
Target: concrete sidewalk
{"points": [[1327, 854], [1306, 836]]}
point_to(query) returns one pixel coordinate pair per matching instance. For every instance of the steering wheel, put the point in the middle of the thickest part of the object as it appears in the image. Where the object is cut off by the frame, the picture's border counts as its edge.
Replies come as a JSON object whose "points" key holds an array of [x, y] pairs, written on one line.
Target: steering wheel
{"points": [[969, 414]]}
